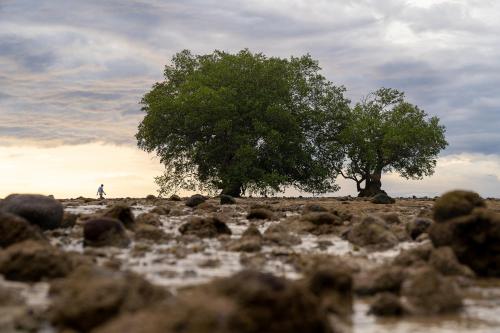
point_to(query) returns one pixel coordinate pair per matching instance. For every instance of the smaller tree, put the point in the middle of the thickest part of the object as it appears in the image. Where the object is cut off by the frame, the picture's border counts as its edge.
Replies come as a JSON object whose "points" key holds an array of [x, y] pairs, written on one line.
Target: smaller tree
{"points": [[384, 133]]}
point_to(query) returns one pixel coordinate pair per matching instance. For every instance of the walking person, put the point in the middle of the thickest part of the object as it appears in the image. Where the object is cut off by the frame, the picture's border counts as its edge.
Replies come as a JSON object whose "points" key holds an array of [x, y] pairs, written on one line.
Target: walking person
{"points": [[100, 191]]}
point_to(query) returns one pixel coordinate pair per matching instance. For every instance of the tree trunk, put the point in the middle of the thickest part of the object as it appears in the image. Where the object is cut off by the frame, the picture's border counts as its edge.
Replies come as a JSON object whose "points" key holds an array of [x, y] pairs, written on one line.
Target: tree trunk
{"points": [[233, 189], [373, 186]]}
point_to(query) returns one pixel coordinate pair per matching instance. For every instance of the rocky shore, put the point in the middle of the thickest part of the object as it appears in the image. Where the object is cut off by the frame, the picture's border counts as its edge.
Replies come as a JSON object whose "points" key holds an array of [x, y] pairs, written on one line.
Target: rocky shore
{"points": [[203, 264]]}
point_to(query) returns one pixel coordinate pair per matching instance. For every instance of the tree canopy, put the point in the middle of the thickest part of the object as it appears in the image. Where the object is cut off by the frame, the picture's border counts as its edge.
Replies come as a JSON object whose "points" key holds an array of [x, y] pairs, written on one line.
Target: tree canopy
{"points": [[236, 122], [385, 133]]}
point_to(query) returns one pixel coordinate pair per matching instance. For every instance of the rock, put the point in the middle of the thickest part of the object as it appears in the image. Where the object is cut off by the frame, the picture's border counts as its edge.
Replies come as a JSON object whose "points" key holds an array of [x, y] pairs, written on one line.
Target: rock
{"points": [[265, 304], [37, 209], [260, 214], [417, 255], [246, 244], [161, 210], [386, 304], [373, 233], [121, 212], [14, 229], [175, 197], [149, 232], [456, 203], [314, 208], [443, 259], [390, 218], [205, 227], [150, 197], [333, 285], [32, 261], [418, 226], [69, 220], [271, 304], [382, 198], [9, 297], [227, 200], [319, 218], [277, 234], [104, 231], [195, 200], [90, 296], [252, 231], [474, 239], [380, 279], [148, 218], [427, 292]]}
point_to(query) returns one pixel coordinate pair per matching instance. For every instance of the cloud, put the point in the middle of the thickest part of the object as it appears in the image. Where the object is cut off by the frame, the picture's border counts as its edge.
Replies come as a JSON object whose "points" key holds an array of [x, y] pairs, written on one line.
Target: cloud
{"points": [[74, 72]]}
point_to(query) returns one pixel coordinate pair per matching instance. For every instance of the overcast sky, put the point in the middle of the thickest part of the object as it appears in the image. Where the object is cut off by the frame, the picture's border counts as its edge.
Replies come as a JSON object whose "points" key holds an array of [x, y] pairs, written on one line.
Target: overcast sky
{"points": [[72, 73]]}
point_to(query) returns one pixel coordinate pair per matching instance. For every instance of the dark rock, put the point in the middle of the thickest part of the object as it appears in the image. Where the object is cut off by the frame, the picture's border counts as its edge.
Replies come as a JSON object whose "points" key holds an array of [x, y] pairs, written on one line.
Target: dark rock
{"points": [[227, 200], [426, 292], [150, 197], [149, 232], [415, 256], [319, 218], [90, 296], [474, 239], [205, 227], [195, 200], [265, 304], [443, 259], [260, 214], [246, 244], [381, 279], [386, 304], [456, 203], [277, 234], [148, 218], [14, 229], [41, 210], [104, 231], [252, 231], [121, 212], [314, 208], [34, 261], [175, 197], [69, 220], [418, 226], [382, 198], [373, 233], [161, 210]]}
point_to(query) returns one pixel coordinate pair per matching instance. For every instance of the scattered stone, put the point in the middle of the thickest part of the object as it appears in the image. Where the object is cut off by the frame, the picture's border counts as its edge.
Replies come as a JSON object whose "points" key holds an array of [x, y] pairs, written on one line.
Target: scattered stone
{"points": [[227, 200], [175, 197], [373, 233], [69, 220], [9, 297], [121, 212], [474, 239], [104, 231], [427, 292], [277, 234], [418, 226], [382, 198], [14, 229], [319, 218], [150, 197], [380, 279], [32, 261], [252, 231], [90, 296], [205, 227], [390, 218], [386, 304], [260, 214], [161, 210], [314, 208], [148, 218], [149, 232], [443, 259], [195, 200], [37, 209], [416, 256], [456, 203], [246, 244]]}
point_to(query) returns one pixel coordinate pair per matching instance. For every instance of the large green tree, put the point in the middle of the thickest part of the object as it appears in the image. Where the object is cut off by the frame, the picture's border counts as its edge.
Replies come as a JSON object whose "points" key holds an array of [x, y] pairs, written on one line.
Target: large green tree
{"points": [[236, 122], [385, 133]]}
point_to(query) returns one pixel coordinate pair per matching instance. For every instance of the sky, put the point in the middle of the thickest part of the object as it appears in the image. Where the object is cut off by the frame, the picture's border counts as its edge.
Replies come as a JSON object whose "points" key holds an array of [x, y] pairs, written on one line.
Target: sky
{"points": [[72, 74]]}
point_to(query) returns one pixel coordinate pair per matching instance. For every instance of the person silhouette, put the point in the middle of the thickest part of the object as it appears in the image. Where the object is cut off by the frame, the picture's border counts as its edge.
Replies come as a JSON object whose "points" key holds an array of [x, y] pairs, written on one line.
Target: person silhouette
{"points": [[100, 191]]}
